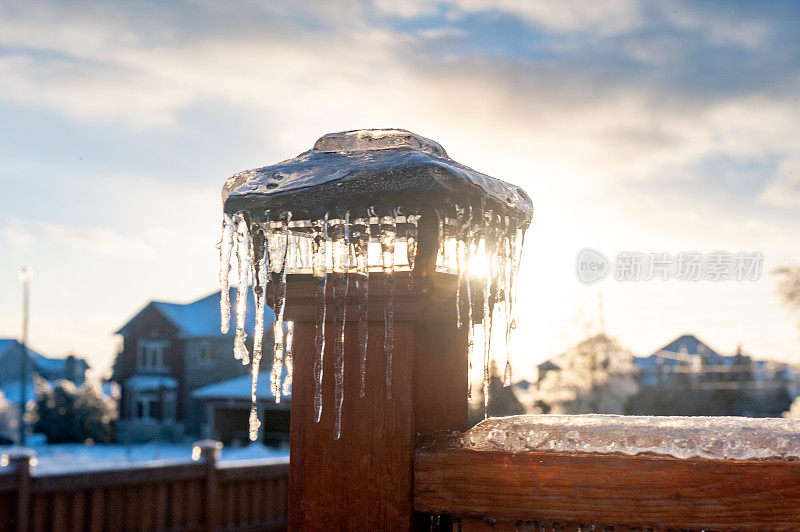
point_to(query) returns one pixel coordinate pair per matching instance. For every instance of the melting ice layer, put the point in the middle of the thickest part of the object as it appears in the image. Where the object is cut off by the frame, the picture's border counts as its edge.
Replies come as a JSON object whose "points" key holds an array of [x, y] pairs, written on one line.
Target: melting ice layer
{"points": [[717, 438], [481, 247]]}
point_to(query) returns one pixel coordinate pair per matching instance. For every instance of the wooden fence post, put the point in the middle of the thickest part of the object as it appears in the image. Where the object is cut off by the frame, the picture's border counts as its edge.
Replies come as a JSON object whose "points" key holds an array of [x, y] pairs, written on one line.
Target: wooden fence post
{"points": [[363, 480], [23, 459], [208, 451]]}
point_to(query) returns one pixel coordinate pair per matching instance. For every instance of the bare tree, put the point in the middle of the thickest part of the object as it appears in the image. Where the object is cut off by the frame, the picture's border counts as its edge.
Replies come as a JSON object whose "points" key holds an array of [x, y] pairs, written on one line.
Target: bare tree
{"points": [[595, 376], [789, 285]]}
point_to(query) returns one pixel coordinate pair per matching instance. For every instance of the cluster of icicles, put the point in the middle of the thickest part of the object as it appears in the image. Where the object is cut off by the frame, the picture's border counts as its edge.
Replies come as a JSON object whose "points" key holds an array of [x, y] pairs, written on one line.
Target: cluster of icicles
{"points": [[480, 247]]}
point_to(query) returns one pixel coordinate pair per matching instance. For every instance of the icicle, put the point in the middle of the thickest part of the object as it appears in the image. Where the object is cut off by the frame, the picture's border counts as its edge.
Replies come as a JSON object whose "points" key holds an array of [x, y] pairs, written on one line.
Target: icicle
{"points": [[280, 305], [319, 245], [360, 239], [340, 289], [464, 221], [244, 256], [259, 293], [504, 262], [487, 310], [387, 236], [289, 358], [225, 249], [507, 374], [411, 237], [471, 250], [254, 422], [411, 246]]}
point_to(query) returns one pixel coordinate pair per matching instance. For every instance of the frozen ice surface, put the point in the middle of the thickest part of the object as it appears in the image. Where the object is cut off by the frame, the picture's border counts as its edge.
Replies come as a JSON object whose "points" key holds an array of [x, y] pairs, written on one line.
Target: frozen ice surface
{"points": [[359, 166], [717, 438]]}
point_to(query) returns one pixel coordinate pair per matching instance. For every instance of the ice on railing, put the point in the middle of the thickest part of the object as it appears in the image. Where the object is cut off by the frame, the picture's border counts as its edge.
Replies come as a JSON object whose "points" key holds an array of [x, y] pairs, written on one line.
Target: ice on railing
{"points": [[717, 438]]}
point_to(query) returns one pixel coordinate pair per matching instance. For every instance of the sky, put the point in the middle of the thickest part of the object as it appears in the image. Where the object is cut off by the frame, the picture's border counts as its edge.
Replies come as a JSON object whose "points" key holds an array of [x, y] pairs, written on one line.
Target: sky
{"points": [[652, 127]]}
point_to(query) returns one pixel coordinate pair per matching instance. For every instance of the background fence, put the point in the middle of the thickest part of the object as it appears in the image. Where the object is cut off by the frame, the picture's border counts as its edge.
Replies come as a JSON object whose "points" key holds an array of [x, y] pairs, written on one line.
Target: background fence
{"points": [[200, 495]]}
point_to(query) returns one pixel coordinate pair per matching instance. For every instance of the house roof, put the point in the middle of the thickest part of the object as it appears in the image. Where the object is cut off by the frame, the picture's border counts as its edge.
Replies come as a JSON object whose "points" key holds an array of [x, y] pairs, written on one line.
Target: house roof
{"points": [[689, 344], [13, 390], [238, 388], [683, 346], [41, 362], [201, 318]]}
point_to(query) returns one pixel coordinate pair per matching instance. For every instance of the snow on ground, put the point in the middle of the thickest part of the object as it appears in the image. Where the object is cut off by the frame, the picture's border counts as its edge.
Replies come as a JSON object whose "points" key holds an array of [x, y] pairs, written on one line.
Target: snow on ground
{"points": [[76, 457]]}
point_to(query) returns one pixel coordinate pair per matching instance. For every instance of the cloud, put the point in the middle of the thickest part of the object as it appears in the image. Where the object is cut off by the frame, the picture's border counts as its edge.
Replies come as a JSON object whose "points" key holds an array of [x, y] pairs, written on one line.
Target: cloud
{"points": [[783, 190], [16, 234], [100, 241], [606, 18], [605, 112]]}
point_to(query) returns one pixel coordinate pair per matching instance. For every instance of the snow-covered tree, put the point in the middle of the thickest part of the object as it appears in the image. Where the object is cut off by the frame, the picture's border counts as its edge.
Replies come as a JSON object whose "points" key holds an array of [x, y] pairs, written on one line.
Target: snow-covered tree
{"points": [[67, 413], [794, 410], [789, 285], [595, 376], [9, 418]]}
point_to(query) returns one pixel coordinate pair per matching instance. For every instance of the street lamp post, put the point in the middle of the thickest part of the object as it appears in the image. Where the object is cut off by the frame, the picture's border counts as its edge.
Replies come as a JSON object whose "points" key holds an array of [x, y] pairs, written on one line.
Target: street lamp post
{"points": [[25, 275]]}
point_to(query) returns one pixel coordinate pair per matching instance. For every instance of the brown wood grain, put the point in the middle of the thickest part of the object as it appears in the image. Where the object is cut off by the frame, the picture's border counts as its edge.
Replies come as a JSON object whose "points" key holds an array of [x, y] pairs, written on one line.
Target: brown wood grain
{"points": [[96, 510], [609, 490], [363, 481]]}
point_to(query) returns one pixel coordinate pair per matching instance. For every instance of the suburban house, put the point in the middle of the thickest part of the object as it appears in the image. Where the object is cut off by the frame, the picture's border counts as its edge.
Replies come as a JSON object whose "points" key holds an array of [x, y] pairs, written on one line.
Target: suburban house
{"points": [[226, 410], [688, 377], [52, 369], [708, 369], [169, 350]]}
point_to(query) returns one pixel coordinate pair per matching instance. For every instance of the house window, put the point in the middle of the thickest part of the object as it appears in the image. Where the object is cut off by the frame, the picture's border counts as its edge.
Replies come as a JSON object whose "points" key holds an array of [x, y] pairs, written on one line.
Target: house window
{"points": [[145, 408], [151, 355], [206, 351]]}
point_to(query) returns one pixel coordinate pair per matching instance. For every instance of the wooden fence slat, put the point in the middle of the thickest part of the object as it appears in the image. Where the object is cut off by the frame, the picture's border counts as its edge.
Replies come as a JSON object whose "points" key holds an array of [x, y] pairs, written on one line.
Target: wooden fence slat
{"points": [[41, 514], [176, 505], [229, 502], [243, 499], [59, 521], [96, 511], [147, 507], [194, 497], [161, 501], [129, 503], [77, 510]]}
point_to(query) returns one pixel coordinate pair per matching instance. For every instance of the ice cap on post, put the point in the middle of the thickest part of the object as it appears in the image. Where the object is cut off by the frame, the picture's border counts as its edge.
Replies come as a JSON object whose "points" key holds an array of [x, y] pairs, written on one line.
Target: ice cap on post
{"points": [[355, 170]]}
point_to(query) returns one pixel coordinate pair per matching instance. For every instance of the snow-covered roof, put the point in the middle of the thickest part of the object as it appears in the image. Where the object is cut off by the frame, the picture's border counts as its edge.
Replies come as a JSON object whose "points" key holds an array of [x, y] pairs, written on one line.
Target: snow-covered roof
{"points": [[679, 351], [43, 363], [201, 318], [141, 383], [13, 390], [237, 388], [6, 343]]}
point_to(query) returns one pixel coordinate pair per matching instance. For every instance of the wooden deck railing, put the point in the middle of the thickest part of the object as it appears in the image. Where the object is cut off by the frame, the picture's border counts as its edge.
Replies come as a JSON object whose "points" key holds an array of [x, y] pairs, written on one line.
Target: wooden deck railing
{"points": [[201, 495], [479, 490]]}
